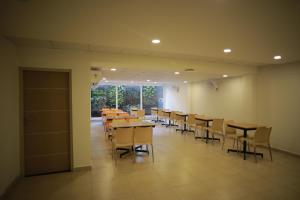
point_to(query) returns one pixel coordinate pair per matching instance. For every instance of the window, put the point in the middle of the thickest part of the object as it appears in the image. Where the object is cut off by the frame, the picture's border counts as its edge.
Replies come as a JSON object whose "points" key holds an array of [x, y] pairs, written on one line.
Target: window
{"points": [[102, 97], [128, 96], [125, 97], [152, 97]]}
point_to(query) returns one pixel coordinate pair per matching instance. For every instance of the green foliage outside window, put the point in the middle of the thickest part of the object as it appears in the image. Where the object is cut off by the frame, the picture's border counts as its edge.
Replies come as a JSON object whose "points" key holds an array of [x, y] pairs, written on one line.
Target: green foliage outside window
{"points": [[128, 96]]}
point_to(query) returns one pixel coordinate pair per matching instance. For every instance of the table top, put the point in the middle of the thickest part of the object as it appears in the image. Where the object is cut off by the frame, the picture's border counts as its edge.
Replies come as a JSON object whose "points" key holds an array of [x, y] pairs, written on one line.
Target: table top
{"points": [[242, 125], [181, 114], [154, 109], [120, 117], [204, 118], [167, 111], [132, 124]]}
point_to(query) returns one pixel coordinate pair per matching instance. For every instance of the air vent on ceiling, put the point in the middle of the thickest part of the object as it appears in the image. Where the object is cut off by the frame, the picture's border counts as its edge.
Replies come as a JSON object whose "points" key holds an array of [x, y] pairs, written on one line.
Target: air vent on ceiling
{"points": [[95, 68], [189, 70]]}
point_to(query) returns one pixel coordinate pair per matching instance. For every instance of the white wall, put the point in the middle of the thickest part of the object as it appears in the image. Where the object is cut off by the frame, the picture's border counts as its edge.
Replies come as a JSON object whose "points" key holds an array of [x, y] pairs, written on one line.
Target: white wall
{"points": [[279, 104], [9, 118], [234, 98], [177, 97], [81, 80]]}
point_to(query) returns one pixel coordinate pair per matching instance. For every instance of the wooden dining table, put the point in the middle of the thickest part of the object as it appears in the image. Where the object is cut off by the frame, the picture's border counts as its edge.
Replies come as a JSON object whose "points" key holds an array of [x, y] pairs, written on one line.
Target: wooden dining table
{"points": [[245, 127], [131, 124], [205, 119]]}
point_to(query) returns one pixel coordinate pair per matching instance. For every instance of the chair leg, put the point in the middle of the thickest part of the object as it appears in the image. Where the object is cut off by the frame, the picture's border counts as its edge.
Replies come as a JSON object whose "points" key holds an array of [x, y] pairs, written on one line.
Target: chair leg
{"points": [[255, 153], [270, 152], [223, 142], [115, 152], [112, 152], [134, 154], [152, 153]]}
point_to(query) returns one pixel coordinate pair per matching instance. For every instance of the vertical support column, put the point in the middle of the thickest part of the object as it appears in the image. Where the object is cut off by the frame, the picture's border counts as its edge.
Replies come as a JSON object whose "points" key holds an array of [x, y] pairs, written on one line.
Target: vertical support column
{"points": [[141, 97], [117, 106]]}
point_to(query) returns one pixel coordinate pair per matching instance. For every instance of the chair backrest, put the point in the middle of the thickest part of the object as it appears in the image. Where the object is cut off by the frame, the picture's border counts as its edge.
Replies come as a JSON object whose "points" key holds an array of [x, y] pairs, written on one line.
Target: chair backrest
{"points": [[123, 136], [141, 113], [160, 113], [179, 117], [191, 119], [153, 112], [217, 124], [166, 114], [143, 135], [262, 134], [229, 130], [130, 120], [173, 115]]}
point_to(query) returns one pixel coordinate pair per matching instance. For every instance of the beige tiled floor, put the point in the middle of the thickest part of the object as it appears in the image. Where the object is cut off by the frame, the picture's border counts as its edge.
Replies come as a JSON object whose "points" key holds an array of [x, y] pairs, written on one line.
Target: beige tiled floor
{"points": [[184, 168]]}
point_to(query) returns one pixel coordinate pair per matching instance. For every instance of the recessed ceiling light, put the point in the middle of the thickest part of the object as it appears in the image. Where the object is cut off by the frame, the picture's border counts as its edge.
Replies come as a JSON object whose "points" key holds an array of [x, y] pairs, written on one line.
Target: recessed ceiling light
{"points": [[155, 41], [113, 69], [184, 81], [227, 50], [104, 78], [225, 75], [177, 73], [277, 57], [155, 82], [148, 80]]}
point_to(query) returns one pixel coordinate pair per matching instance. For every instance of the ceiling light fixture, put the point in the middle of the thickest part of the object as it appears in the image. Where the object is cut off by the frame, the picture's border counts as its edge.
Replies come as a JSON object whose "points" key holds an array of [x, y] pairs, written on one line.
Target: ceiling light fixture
{"points": [[155, 41], [104, 78], [225, 75], [155, 82], [227, 50], [106, 81], [277, 57], [148, 80], [184, 81], [113, 69], [176, 73]]}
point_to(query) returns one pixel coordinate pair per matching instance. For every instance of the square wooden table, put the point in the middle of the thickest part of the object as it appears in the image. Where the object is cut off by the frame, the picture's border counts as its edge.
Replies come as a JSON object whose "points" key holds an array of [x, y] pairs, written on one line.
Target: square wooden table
{"points": [[245, 127], [206, 119]]}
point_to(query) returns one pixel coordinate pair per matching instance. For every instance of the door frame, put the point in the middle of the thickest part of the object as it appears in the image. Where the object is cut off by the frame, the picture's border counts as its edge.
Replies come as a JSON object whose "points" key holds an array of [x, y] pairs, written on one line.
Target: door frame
{"points": [[21, 113]]}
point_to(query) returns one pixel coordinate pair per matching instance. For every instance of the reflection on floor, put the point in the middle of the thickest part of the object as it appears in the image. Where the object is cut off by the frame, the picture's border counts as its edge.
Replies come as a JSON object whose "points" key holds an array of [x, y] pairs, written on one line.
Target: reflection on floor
{"points": [[183, 169]]}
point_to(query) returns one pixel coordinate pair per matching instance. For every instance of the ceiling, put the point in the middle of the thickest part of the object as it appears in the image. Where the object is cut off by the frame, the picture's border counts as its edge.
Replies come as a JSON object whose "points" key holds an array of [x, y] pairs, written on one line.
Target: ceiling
{"points": [[255, 30]]}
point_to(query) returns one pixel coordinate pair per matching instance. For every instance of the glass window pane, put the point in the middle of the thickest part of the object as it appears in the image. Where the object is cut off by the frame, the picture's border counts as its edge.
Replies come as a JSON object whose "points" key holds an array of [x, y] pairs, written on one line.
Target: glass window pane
{"points": [[128, 96], [152, 97], [103, 96]]}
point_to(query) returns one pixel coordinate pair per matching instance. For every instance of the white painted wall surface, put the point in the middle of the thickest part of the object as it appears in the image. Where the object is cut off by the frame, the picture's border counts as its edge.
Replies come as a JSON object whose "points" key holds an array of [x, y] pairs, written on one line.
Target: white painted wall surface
{"points": [[234, 98], [178, 97], [9, 118], [279, 104]]}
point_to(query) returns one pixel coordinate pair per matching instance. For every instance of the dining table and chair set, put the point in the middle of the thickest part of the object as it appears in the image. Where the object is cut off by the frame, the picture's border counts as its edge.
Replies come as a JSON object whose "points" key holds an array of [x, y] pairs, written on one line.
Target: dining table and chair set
{"points": [[128, 132], [131, 132], [244, 135]]}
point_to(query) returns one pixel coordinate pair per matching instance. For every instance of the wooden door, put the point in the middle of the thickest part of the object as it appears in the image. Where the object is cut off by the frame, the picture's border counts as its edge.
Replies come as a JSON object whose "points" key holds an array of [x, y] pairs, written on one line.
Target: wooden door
{"points": [[46, 108]]}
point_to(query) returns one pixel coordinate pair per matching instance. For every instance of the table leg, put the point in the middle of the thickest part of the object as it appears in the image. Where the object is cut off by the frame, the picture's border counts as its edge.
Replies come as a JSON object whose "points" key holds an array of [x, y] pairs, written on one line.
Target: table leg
{"points": [[245, 148], [245, 144]]}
